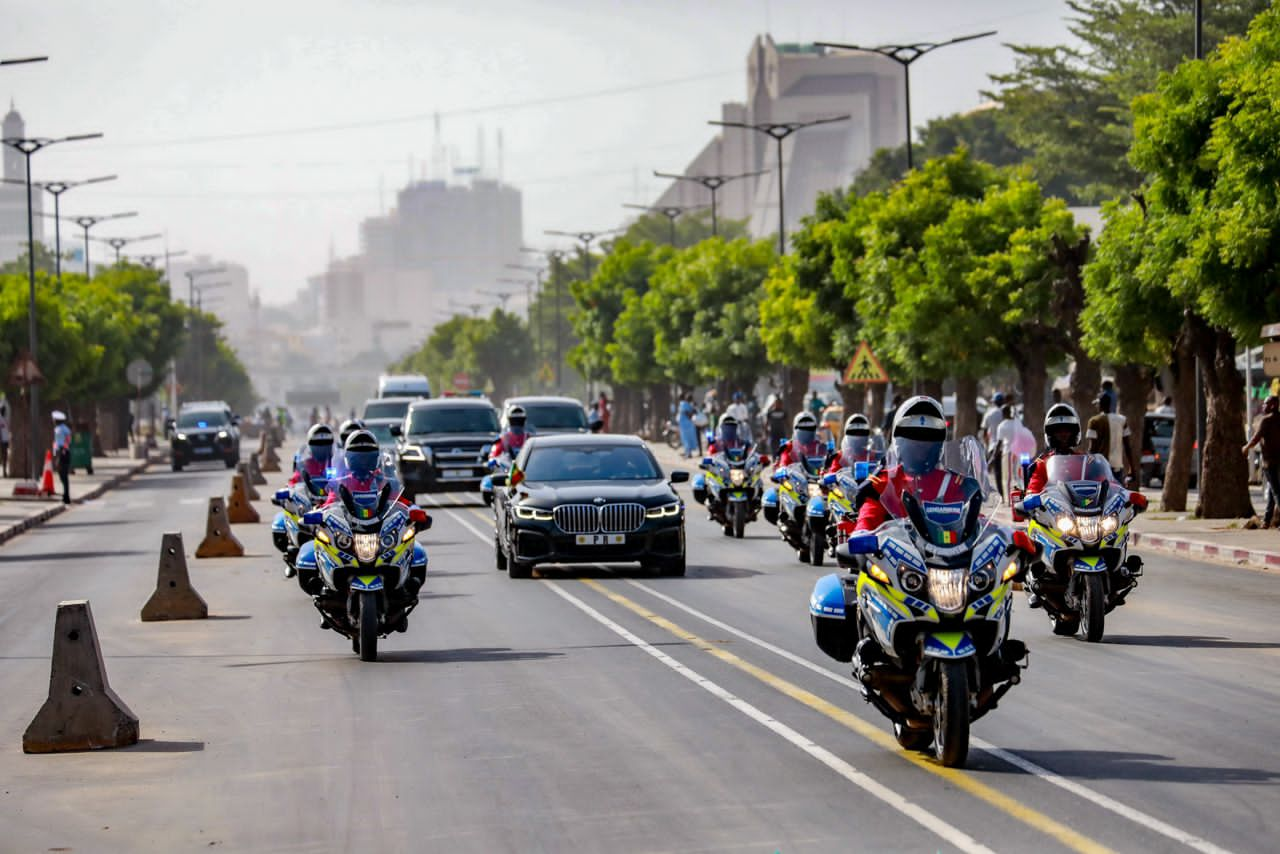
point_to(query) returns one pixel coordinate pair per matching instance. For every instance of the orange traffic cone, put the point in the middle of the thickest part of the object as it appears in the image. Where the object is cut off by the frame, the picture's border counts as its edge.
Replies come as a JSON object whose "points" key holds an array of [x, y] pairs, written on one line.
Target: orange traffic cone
{"points": [[46, 479]]}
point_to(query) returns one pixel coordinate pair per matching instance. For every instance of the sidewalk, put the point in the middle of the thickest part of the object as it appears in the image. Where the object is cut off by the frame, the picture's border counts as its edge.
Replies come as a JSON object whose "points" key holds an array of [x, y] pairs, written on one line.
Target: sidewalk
{"points": [[19, 514], [1176, 533]]}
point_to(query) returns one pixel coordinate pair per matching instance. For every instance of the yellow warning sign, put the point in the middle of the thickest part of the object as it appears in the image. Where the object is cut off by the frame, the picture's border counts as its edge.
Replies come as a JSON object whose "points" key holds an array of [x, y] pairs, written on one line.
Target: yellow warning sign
{"points": [[864, 367], [547, 375]]}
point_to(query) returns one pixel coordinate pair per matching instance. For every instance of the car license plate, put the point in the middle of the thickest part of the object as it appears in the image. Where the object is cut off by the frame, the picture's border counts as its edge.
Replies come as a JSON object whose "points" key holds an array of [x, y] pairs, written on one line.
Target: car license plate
{"points": [[601, 539], [202, 450], [451, 474]]}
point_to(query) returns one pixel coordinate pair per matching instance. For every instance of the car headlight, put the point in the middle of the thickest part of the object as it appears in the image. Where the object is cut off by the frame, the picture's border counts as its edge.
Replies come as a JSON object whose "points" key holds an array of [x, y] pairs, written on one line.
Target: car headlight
{"points": [[1109, 524], [223, 434], [412, 453], [1065, 524], [537, 514], [815, 491], [737, 477], [181, 437], [663, 511]]}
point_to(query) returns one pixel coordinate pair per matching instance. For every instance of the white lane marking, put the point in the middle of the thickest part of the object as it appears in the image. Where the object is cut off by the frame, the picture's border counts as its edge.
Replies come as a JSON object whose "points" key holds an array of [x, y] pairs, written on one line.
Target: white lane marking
{"points": [[923, 817], [1150, 822]]}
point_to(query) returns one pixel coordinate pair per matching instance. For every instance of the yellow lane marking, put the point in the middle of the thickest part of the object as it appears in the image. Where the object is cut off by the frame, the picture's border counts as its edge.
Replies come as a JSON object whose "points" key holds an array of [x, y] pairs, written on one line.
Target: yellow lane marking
{"points": [[1010, 806]]}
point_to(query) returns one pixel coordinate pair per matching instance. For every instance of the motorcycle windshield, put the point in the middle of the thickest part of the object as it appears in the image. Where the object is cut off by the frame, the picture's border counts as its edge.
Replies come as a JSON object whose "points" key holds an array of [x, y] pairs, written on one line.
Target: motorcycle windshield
{"points": [[943, 505], [367, 495], [736, 455], [814, 466], [1085, 477]]}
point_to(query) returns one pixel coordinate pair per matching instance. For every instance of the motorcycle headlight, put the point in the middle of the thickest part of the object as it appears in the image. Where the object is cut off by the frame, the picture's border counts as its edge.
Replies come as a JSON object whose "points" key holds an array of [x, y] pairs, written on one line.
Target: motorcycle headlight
{"points": [[912, 580], [980, 579], [663, 511], [1089, 528], [1065, 524], [389, 540], [366, 547], [815, 491], [323, 536], [342, 541], [877, 573], [737, 477], [1110, 523], [947, 588], [535, 513]]}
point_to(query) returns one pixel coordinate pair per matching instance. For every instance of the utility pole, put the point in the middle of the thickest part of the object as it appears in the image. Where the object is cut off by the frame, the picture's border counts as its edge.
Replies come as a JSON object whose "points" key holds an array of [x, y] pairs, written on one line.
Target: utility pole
{"points": [[713, 183], [904, 55], [529, 289], [555, 258], [671, 212], [56, 189], [780, 131]]}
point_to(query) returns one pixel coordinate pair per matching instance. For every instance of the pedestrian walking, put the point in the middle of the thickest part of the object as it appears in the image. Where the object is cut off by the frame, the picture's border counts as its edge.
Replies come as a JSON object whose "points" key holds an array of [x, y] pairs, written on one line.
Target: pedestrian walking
{"points": [[738, 409], [1268, 436], [606, 412], [62, 453], [816, 405], [688, 431], [4, 441], [776, 424], [1108, 435]]}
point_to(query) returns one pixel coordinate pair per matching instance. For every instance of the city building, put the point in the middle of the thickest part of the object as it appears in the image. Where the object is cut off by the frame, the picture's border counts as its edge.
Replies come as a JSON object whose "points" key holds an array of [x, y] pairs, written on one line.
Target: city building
{"points": [[13, 196], [789, 83]]}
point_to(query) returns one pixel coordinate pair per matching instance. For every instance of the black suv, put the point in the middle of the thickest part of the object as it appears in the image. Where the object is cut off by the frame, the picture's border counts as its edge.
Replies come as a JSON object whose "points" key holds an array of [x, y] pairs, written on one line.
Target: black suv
{"points": [[445, 443], [201, 435]]}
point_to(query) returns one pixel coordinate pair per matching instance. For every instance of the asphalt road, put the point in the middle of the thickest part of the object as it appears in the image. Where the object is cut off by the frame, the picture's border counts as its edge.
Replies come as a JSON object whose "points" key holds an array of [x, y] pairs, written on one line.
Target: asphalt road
{"points": [[604, 709]]}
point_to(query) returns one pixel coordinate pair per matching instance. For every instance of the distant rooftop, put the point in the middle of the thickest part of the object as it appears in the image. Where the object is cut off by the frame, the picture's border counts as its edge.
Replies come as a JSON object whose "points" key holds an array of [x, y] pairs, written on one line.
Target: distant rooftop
{"points": [[798, 47]]}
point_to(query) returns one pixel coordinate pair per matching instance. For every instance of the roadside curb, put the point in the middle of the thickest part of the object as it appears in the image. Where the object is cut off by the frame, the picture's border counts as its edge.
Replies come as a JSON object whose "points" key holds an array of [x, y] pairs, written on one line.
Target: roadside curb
{"points": [[1255, 558], [45, 515]]}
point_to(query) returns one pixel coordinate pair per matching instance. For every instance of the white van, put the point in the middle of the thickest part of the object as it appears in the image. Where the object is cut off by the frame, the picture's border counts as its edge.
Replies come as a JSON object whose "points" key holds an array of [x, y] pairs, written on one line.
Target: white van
{"points": [[403, 385]]}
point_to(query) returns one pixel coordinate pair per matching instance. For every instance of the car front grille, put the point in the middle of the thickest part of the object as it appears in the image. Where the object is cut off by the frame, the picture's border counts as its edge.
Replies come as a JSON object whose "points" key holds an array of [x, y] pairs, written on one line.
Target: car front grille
{"points": [[588, 519]]}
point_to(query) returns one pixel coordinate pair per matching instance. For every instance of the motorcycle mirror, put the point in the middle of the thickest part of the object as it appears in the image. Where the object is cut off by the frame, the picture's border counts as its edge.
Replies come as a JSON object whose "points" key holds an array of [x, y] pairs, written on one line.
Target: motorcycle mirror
{"points": [[778, 477], [864, 544], [829, 480], [281, 494], [679, 476], [1024, 543], [764, 460], [1137, 499], [315, 517], [499, 479], [861, 470], [1031, 502], [706, 461]]}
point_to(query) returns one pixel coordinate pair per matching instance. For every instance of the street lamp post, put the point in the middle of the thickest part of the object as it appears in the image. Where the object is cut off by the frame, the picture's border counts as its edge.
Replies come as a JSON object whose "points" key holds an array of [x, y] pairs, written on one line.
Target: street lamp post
{"points": [[904, 55], [28, 146], [529, 285], [56, 189], [118, 243], [556, 259], [501, 296], [712, 183], [780, 131], [586, 238], [88, 222], [191, 306], [671, 212], [24, 60], [198, 290]]}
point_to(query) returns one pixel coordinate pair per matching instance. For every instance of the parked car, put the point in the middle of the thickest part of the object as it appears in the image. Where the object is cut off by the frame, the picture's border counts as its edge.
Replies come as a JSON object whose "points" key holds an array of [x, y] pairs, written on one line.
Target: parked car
{"points": [[588, 499], [1157, 438], [445, 444]]}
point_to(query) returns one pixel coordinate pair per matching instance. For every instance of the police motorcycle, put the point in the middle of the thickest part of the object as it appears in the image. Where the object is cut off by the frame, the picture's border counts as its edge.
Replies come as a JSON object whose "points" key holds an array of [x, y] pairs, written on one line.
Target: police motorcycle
{"points": [[924, 616], [799, 507], [364, 566], [729, 486], [1081, 521], [315, 460], [860, 455], [516, 418]]}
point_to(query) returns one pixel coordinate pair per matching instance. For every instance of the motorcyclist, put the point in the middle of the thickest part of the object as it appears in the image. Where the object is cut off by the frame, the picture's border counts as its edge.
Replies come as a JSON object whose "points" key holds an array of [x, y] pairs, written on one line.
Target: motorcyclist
{"points": [[1061, 436], [918, 434], [855, 447], [362, 468], [508, 446], [804, 442], [727, 438], [348, 427], [315, 460]]}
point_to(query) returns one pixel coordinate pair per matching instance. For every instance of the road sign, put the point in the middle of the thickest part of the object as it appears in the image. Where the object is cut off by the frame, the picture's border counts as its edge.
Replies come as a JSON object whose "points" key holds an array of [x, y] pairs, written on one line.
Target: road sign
{"points": [[462, 381], [139, 372], [864, 367], [1271, 330], [1271, 359]]}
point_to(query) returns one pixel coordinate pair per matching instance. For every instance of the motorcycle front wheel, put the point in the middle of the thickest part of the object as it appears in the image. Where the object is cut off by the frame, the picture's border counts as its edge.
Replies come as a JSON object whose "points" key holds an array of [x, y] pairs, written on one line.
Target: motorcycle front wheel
{"points": [[1093, 608], [817, 548], [951, 714], [739, 519], [368, 626]]}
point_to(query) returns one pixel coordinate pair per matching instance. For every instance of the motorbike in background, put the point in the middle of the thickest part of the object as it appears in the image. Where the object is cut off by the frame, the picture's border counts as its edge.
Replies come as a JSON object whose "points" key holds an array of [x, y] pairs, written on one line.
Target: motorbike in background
{"points": [[799, 508], [729, 486]]}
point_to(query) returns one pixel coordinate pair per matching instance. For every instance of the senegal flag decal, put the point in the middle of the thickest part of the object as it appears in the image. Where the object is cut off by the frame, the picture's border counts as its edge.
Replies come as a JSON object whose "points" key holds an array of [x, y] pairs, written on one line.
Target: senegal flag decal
{"points": [[948, 538]]}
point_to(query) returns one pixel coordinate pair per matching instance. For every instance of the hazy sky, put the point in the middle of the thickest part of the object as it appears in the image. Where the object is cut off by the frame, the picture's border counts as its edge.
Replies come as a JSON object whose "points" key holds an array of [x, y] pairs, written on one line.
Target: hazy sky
{"points": [[261, 132]]}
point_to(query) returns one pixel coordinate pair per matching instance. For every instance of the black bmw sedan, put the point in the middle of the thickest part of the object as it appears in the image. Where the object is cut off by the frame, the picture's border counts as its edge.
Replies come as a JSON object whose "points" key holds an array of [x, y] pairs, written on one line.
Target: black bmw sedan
{"points": [[588, 499]]}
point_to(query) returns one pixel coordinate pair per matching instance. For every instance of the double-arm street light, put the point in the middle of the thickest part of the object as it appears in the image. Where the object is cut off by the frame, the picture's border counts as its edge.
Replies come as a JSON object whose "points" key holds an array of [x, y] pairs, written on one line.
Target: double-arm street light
{"points": [[195, 301], [56, 189], [150, 259], [118, 243], [780, 131], [671, 212], [501, 296], [904, 55], [28, 146], [88, 222], [24, 60], [586, 238], [712, 183]]}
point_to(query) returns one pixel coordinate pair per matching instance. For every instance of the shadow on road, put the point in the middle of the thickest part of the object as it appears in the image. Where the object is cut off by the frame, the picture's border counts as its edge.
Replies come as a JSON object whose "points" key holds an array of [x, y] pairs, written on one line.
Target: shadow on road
{"points": [[708, 571], [1187, 642], [1119, 765], [230, 617], [463, 655], [68, 556], [151, 745]]}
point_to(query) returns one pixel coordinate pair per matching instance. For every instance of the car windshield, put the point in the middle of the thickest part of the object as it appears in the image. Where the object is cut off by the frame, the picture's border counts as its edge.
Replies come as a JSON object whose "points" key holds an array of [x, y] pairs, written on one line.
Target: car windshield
{"points": [[454, 419], [381, 432], [199, 420], [1160, 428], [609, 462], [386, 409], [556, 416]]}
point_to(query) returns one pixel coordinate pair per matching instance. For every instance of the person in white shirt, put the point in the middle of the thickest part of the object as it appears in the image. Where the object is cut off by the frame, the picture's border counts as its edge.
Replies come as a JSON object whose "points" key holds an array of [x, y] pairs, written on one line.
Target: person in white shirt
{"points": [[62, 453], [991, 420], [738, 409]]}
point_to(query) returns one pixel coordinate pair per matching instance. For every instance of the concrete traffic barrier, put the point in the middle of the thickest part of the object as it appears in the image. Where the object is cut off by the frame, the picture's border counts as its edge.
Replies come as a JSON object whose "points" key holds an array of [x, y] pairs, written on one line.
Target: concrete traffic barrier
{"points": [[255, 471], [175, 598], [218, 540], [239, 509], [82, 712], [242, 469], [271, 462]]}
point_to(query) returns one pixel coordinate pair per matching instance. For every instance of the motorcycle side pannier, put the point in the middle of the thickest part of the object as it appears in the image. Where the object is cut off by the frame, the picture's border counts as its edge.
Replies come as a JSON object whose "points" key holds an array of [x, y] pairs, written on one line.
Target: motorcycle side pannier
{"points": [[831, 610]]}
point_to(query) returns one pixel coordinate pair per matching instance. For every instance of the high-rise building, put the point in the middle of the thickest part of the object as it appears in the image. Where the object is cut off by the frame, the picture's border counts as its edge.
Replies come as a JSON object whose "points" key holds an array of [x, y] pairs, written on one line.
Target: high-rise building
{"points": [[13, 197], [786, 83]]}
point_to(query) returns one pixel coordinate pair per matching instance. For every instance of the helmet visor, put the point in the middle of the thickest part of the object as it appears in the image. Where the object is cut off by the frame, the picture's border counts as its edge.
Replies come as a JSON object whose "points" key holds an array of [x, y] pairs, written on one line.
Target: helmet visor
{"points": [[806, 437], [855, 445], [917, 456], [363, 463], [729, 432]]}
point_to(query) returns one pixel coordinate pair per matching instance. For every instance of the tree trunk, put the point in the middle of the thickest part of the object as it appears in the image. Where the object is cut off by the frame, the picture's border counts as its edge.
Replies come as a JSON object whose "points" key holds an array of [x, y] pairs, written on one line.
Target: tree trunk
{"points": [[1224, 473], [659, 408], [966, 407], [1086, 379], [1133, 386], [795, 381], [1031, 376], [932, 388], [1177, 469], [875, 404], [19, 455], [853, 397]]}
